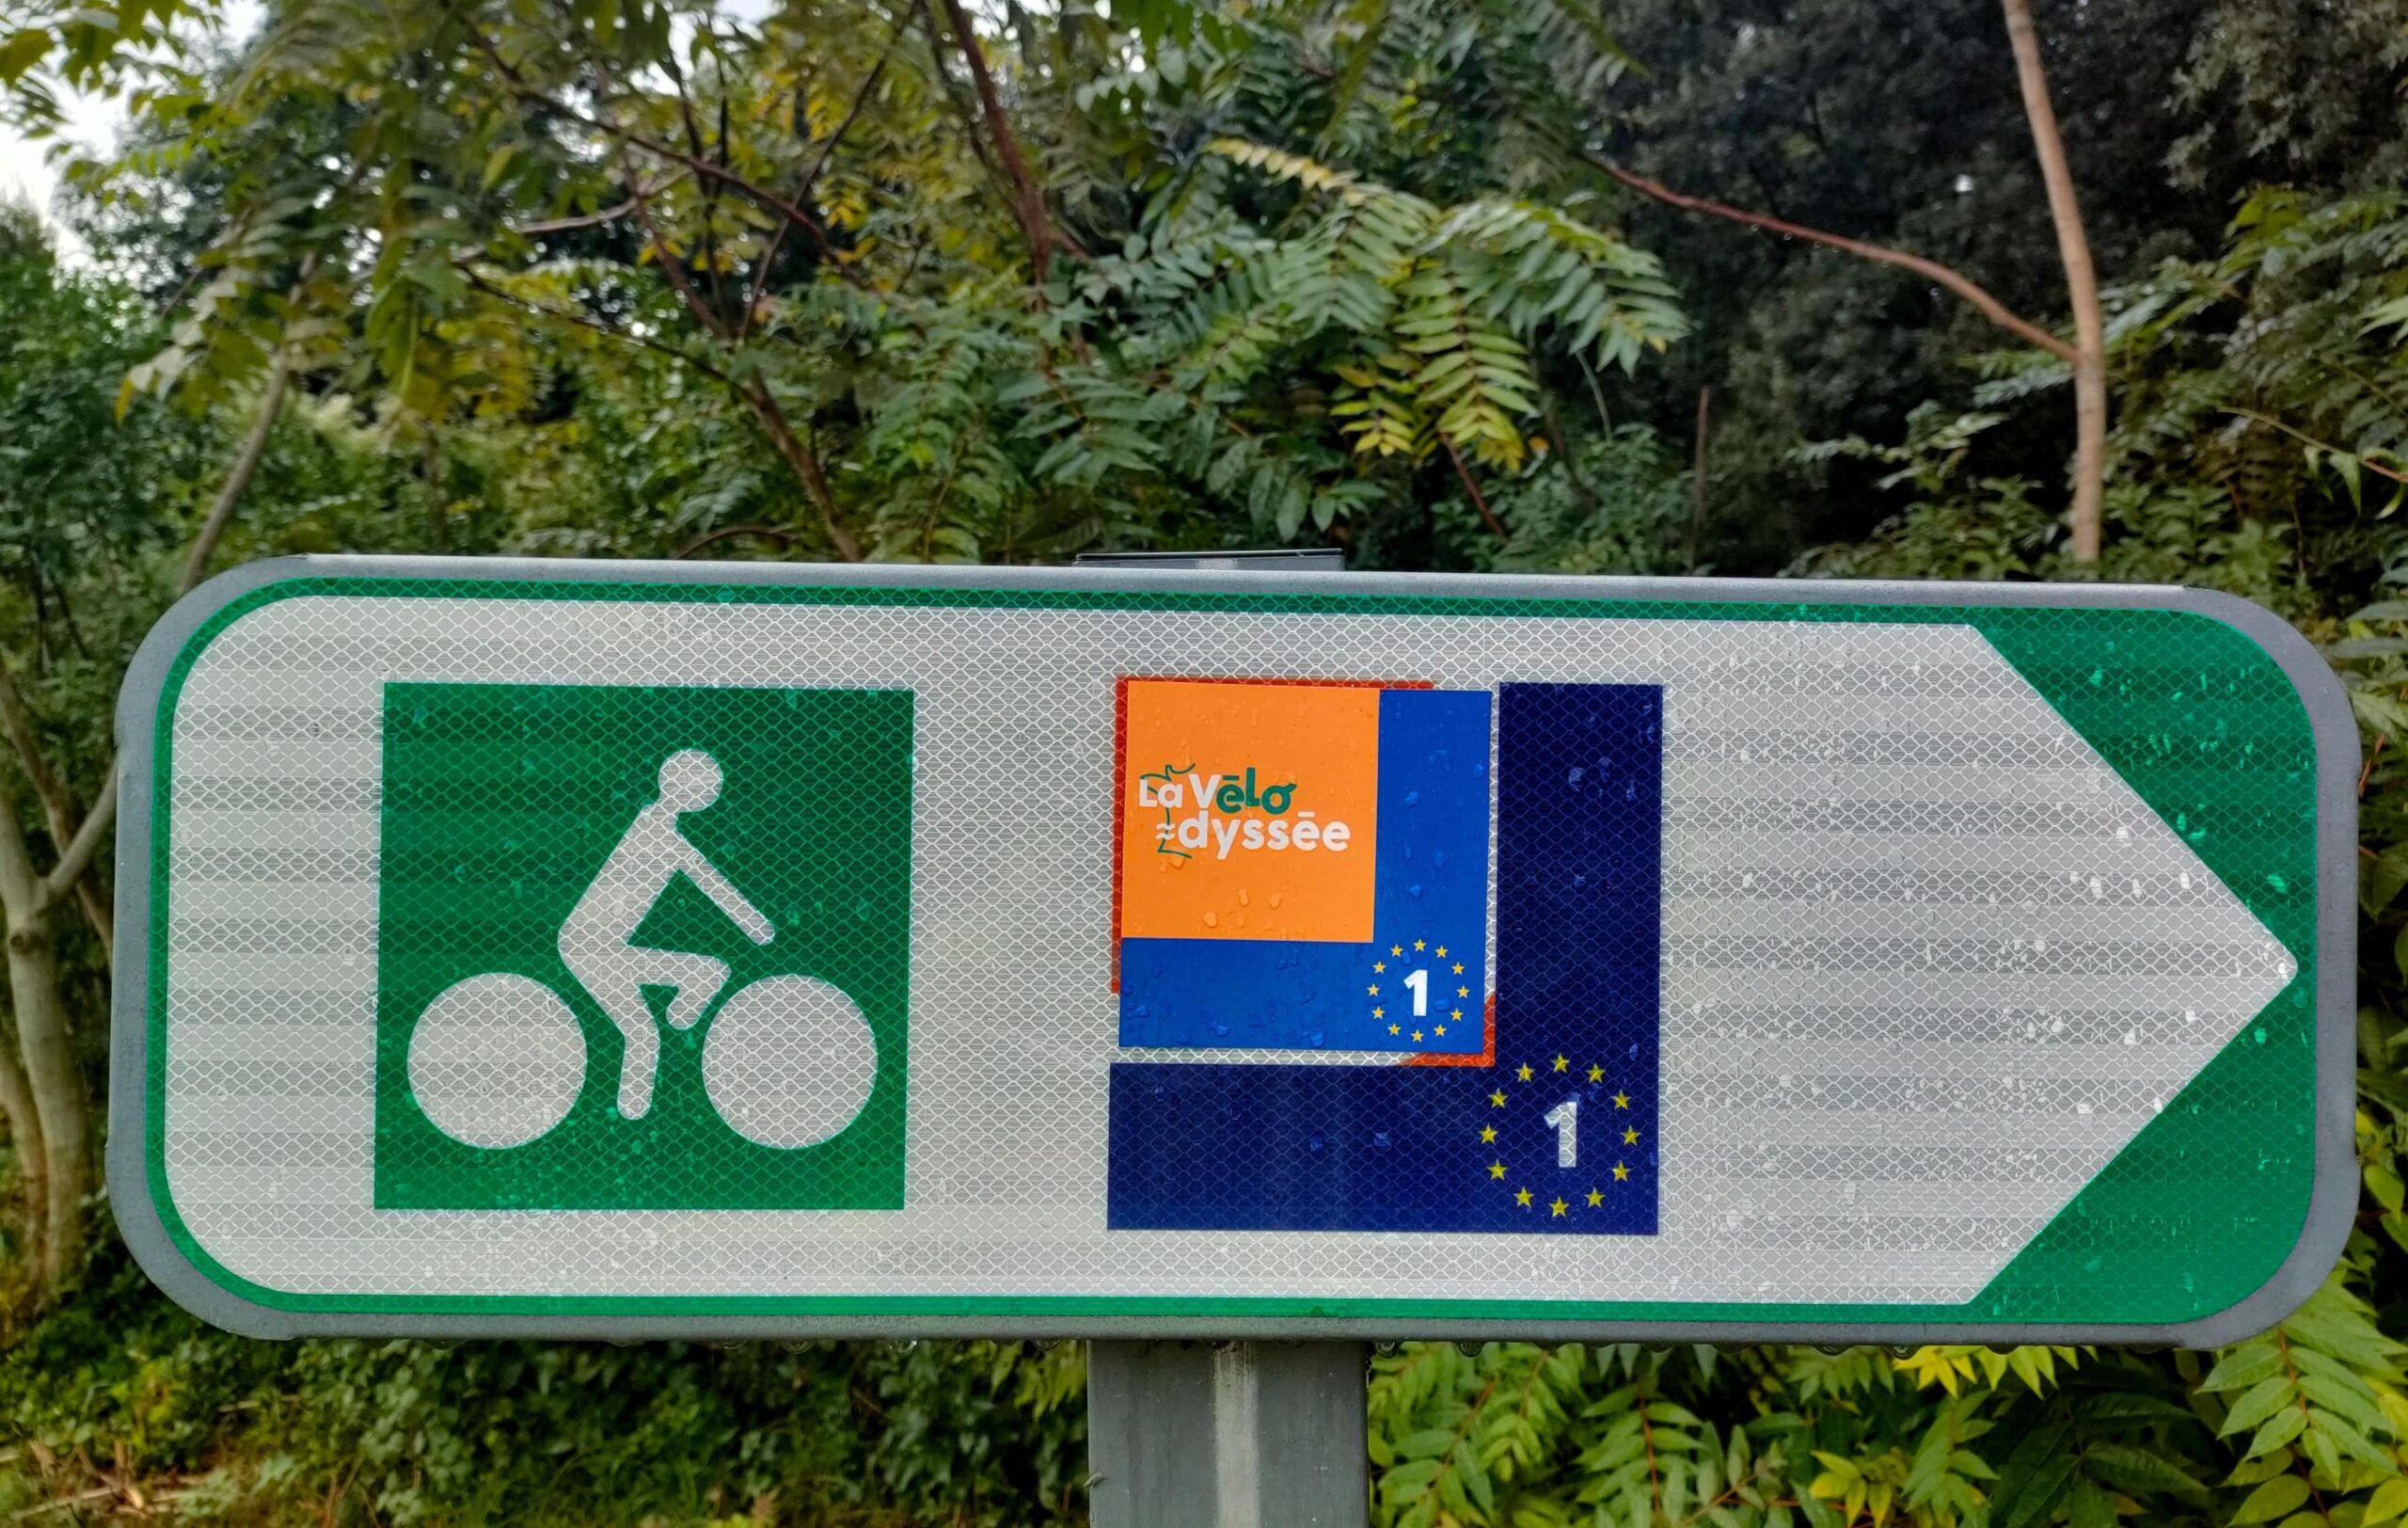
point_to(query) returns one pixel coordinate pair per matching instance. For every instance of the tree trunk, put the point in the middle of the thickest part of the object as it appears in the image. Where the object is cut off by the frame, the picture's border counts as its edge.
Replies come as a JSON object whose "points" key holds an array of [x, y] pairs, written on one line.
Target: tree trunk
{"points": [[24, 1133], [2082, 286], [57, 1092]]}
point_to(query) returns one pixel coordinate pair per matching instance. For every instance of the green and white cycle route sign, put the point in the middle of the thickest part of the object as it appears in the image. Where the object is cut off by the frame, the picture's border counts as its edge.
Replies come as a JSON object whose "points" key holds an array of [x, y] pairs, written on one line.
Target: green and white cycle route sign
{"points": [[751, 950]]}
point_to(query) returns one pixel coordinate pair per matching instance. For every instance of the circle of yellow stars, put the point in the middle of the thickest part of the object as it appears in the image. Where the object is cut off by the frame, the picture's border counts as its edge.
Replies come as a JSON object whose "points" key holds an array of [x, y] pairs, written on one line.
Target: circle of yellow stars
{"points": [[1377, 987], [1559, 1207]]}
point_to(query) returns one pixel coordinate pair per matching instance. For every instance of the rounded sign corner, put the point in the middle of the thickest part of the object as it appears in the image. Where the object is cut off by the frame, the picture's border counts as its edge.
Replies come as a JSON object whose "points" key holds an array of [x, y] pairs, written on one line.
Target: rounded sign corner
{"points": [[142, 1221]]}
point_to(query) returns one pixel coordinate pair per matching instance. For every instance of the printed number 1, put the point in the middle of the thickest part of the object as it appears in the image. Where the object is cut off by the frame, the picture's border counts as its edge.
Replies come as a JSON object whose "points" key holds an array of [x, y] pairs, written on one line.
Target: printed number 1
{"points": [[1565, 1117], [1420, 982]]}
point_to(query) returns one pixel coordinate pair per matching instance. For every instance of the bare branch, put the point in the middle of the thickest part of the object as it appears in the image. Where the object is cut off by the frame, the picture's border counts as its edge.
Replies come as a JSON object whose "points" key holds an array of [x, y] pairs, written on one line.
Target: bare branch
{"points": [[726, 531], [699, 165], [238, 474], [17, 725], [2325, 446], [608, 215], [58, 802], [587, 321], [672, 264], [1963, 286], [1028, 198], [1479, 500], [78, 854], [1698, 468], [804, 462], [760, 283]]}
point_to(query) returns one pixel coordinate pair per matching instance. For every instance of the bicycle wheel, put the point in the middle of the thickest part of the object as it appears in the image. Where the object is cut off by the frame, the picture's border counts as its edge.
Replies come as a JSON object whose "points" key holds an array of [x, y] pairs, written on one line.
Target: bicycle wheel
{"points": [[789, 1061], [497, 1059]]}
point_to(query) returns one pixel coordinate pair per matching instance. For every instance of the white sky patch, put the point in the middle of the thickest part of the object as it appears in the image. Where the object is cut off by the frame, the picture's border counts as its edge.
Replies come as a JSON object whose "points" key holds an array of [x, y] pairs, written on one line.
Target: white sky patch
{"points": [[30, 169]]}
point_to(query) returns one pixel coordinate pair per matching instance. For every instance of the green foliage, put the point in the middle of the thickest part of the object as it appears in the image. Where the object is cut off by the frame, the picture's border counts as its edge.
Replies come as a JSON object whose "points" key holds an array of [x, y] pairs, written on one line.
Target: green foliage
{"points": [[606, 280], [124, 1388]]}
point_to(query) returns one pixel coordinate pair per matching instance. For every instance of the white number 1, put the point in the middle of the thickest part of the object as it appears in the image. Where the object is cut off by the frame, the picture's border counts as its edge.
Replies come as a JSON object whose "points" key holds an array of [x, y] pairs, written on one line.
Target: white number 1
{"points": [[1420, 982], [1565, 1117]]}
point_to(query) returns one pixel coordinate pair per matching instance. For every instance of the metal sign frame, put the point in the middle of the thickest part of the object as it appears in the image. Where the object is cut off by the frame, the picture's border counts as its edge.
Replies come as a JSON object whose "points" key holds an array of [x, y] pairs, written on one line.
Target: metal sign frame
{"points": [[2324, 1229]]}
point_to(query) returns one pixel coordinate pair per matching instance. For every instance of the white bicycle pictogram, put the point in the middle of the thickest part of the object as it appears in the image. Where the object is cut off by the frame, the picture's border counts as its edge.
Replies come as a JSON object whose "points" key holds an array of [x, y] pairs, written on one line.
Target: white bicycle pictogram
{"points": [[498, 1059]]}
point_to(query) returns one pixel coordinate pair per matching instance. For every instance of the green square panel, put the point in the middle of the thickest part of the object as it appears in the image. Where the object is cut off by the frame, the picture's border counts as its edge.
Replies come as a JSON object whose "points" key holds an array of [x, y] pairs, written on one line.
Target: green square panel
{"points": [[571, 876]]}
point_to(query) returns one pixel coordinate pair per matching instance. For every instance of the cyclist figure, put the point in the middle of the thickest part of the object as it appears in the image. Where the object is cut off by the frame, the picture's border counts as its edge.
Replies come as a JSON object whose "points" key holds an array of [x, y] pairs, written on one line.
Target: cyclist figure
{"points": [[597, 942]]}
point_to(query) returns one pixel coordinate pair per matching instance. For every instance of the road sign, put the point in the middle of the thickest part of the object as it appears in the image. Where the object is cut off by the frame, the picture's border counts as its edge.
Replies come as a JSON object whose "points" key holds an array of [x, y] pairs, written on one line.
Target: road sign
{"points": [[755, 949]]}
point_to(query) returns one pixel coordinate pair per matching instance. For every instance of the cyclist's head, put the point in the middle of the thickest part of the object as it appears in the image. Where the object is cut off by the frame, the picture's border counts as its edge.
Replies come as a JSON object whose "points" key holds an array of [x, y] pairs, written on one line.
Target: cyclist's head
{"points": [[690, 780]]}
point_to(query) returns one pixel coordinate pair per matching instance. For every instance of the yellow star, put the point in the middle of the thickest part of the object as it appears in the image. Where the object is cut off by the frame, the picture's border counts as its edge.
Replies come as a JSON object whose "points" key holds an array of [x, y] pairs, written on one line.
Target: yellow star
{"points": [[1488, 1132], [1462, 992], [1597, 1074], [1558, 1206], [1524, 1073], [1419, 944], [1596, 1199], [1621, 1173], [1563, 1065], [1459, 968], [1379, 966], [1497, 1170], [1371, 990], [1416, 1034], [1442, 952], [1522, 1197], [1396, 1029], [1630, 1136], [1497, 1100], [1622, 1101], [1379, 1013], [1442, 1029], [1396, 949]]}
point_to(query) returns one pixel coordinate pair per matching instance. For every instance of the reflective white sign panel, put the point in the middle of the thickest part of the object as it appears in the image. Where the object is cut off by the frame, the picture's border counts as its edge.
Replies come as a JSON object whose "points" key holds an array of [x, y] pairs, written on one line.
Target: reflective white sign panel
{"points": [[632, 947]]}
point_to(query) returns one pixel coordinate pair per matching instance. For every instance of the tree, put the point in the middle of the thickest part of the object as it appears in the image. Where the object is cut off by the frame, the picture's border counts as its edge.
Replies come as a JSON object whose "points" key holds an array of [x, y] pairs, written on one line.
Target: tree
{"points": [[72, 526]]}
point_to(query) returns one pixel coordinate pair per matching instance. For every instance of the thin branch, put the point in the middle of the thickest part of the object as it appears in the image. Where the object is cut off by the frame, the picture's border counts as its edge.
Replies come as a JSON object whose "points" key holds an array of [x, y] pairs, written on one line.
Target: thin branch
{"points": [[1698, 472], [238, 475], [725, 532], [699, 165], [1479, 502], [58, 802], [569, 225], [710, 192], [861, 99], [80, 848], [760, 283], [1029, 199], [1563, 454], [587, 321], [952, 88], [670, 263], [804, 462], [608, 215], [1971, 292], [2325, 446]]}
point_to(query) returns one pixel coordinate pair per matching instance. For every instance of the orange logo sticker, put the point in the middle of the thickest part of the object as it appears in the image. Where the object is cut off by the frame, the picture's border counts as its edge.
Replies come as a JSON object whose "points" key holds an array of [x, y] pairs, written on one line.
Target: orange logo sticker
{"points": [[1248, 810]]}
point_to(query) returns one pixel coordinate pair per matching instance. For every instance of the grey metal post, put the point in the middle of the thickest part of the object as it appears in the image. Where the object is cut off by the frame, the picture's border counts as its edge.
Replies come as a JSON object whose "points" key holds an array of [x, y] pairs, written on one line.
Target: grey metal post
{"points": [[1228, 1435]]}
